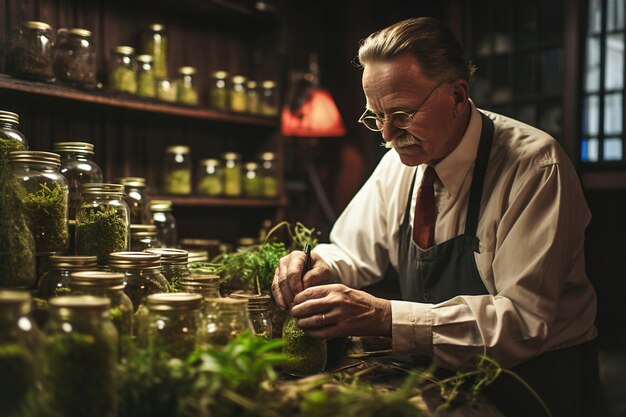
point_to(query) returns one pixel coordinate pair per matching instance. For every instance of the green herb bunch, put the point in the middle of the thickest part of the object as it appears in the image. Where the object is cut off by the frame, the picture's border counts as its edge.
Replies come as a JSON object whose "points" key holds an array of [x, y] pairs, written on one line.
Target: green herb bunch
{"points": [[100, 231], [17, 252], [6, 147]]}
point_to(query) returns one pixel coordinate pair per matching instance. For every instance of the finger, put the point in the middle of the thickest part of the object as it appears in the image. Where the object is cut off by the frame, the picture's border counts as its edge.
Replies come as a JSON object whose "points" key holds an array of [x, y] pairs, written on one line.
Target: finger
{"points": [[317, 321], [319, 273], [318, 291], [294, 271], [286, 292], [276, 292]]}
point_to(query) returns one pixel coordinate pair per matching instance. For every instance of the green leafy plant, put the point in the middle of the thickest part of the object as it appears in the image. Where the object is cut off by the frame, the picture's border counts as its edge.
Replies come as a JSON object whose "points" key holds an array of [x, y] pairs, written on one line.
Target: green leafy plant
{"points": [[100, 232]]}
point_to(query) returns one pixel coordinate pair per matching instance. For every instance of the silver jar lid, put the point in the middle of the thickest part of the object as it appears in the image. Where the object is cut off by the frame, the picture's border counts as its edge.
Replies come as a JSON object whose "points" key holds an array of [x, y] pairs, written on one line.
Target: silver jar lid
{"points": [[256, 302], [35, 157], [174, 301], [170, 256], [80, 147], [73, 263], [134, 260], [102, 188], [97, 279], [78, 305], [9, 116]]}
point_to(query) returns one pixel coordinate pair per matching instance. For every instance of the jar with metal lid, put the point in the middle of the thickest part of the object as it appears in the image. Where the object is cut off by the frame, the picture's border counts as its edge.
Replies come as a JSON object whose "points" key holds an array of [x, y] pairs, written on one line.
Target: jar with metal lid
{"points": [[174, 323], [173, 264], [269, 174], [197, 256], [166, 90], [20, 353], [269, 99], [238, 95], [146, 81], [307, 355], [143, 236], [228, 319], [102, 221], [254, 99], [218, 95], [165, 222], [35, 187], [136, 196], [155, 45], [252, 185], [32, 52], [81, 351], [208, 286], [210, 178], [258, 311], [122, 71], [11, 139], [143, 274], [56, 281], [177, 170], [232, 174], [186, 89], [75, 59]]}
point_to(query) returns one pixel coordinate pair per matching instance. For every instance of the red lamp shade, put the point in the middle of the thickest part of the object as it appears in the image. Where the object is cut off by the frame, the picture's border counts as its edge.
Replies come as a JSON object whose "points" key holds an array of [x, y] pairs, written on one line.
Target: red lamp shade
{"points": [[318, 116]]}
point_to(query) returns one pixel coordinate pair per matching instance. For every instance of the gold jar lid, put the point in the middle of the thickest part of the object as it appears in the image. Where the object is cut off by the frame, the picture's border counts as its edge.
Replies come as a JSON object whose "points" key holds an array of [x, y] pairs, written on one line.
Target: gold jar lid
{"points": [[256, 302], [187, 70], [160, 206], [97, 279], [268, 84], [251, 84], [268, 156], [125, 50], [135, 228], [9, 116], [178, 149], [81, 147], [220, 74], [156, 27], [145, 58], [83, 33], [134, 260], [210, 162], [230, 304], [32, 24], [251, 166], [73, 263], [35, 157], [197, 256], [15, 299], [170, 256], [231, 156], [239, 79], [179, 301], [101, 188], [246, 241], [79, 305], [200, 279], [132, 181]]}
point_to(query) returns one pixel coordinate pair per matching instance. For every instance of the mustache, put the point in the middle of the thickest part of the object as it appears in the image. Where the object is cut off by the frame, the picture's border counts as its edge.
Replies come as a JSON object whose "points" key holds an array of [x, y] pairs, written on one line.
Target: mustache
{"points": [[406, 139]]}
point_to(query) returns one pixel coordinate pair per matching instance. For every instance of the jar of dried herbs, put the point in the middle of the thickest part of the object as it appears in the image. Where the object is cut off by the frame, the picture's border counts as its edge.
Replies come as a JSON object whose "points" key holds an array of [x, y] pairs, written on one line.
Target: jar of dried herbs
{"points": [[122, 71], [252, 185], [20, 353], [307, 356], [166, 90], [177, 170], [210, 178], [232, 174], [32, 52], [102, 221], [218, 95], [146, 81], [56, 281], [81, 349], [143, 236], [238, 95], [36, 187], [11, 139], [269, 174], [258, 311], [254, 100], [155, 45], [75, 59], [269, 99], [228, 318], [174, 265], [136, 196], [165, 222], [186, 89], [174, 323]]}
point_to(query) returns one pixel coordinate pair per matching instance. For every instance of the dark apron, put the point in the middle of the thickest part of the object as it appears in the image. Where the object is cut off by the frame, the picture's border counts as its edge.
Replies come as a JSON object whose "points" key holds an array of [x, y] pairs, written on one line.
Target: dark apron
{"points": [[448, 269]]}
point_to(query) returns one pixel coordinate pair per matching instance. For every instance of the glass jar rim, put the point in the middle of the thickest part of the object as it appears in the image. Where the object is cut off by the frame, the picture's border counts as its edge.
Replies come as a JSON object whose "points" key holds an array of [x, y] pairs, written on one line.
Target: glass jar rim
{"points": [[82, 147], [35, 157], [173, 301], [37, 25], [9, 116]]}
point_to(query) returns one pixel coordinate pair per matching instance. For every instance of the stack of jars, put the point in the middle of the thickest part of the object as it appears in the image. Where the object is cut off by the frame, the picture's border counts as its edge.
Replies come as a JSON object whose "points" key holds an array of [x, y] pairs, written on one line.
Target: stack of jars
{"points": [[239, 95]]}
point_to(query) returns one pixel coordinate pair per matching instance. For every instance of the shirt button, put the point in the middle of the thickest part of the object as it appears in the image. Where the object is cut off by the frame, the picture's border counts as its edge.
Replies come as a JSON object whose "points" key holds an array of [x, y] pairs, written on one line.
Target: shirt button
{"points": [[426, 296]]}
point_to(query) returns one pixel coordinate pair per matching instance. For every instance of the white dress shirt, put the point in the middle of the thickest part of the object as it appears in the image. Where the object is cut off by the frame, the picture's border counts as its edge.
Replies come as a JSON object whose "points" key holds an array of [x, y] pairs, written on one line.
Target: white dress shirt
{"points": [[531, 230]]}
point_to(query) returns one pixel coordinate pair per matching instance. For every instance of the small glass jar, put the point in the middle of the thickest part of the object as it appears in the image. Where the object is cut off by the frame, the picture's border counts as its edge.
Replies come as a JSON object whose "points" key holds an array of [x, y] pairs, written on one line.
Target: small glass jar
{"points": [[155, 45], [56, 281], [269, 99], [252, 185], [210, 178], [122, 71], [11, 139], [269, 174], [164, 220], [102, 221], [228, 319], [20, 353], [137, 199], [143, 274], [218, 96], [143, 236], [307, 355], [36, 187], [232, 174], [208, 286], [174, 323], [166, 90], [32, 53], [174, 265], [177, 170], [75, 59], [81, 352], [259, 312], [238, 95], [186, 89], [254, 100], [146, 81]]}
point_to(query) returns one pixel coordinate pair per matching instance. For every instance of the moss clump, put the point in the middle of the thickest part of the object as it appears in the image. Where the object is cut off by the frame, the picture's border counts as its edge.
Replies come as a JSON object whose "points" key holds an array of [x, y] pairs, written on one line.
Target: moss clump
{"points": [[6, 147], [306, 355], [101, 231], [17, 377], [17, 253]]}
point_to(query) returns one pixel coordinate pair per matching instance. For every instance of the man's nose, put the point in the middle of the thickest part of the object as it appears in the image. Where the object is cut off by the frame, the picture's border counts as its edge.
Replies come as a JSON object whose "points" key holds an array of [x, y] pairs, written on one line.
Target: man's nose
{"points": [[390, 132]]}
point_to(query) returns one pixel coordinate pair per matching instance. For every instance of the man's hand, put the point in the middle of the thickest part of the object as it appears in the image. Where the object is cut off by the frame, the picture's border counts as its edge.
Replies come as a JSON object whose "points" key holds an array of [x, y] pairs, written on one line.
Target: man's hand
{"points": [[334, 310]]}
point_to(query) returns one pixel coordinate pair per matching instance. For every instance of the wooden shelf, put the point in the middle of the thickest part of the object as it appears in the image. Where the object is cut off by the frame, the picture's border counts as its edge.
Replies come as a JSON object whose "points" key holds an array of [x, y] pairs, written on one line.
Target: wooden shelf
{"points": [[131, 103], [197, 201]]}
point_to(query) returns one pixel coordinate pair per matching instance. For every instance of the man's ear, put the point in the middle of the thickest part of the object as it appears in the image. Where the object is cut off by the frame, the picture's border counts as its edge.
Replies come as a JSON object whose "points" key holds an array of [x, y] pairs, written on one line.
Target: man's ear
{"points": [[460, 92]]}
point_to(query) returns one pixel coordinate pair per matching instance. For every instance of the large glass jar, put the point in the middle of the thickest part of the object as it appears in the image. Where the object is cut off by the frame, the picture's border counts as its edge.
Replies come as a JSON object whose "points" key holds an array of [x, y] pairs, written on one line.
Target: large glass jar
{"points": [[218, 95], [252, 185], [32, 52], [307, 355], [17, 251], [228, 319], [155, 44], [75, 59], [258, 311], [232, 174], [35, 187], [122, 71], [174, 323], [238, 95], [165, 222], [269, 99], [210, 178], [269, 174], [174, 265], [186, 89], [177, 170], [11, 139], [20, 353], [56, 281], [102, 221], [137, 199], [254, 100], [81, 351], [146, 81], [143, 236]]}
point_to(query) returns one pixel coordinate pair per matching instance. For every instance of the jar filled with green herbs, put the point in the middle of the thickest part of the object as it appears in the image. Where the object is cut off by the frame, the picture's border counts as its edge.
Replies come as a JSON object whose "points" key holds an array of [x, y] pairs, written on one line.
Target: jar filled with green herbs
{"points": [[238, 95], [155, 45], [307, 355], [166, 90], [252, 185], [146, 81], [177, 170], [136, 196], [75, 59], [122, 71], [32, 52], [35, 187], [81, 350], [11, 139], [210, 178], [186, 89], [269, 174], [56, 281], [258, 311], [102, 221], [228, 318], [164, 220], [219, 91], [232, 174], [270, 101], [143, 236], [254, 99], [174, 265]]}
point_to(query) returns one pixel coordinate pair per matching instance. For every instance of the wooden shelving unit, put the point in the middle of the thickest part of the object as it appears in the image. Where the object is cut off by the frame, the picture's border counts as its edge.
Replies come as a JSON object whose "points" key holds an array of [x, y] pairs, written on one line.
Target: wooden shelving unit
{"points": [[197, 201]]}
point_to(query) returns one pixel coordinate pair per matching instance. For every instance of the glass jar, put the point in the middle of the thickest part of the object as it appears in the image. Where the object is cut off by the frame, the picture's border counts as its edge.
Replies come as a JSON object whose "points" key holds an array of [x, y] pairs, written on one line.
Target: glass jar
{"points": [[166, 90], [254, 100], [137, 199], [165, 222], [177, 170], [122, 71], [143, 236], [210, 178], [20, 353], [252, 185], [143, 274], [32, 53], [75, 59], [258, 311], [102, 221], [155, 45], [307, 355], [228, 318], [146, 81], [81, 352], [174, 265], [232, 174], [56, 281], [218, 96], [35, 187], [11, 139], [208, 286], [17, 251], [186, 89], [269, 99], [238, 95], [269, 174]]}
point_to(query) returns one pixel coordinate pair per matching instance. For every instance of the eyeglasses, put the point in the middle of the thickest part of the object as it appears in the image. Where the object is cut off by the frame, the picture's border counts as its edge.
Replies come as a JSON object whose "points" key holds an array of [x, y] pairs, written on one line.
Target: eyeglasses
{"points": [[399, 119]]}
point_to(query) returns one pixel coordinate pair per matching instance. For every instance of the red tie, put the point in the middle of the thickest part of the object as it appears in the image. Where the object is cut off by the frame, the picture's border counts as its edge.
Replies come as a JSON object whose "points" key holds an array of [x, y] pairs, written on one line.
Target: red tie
{"points": [[424, 225]]}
